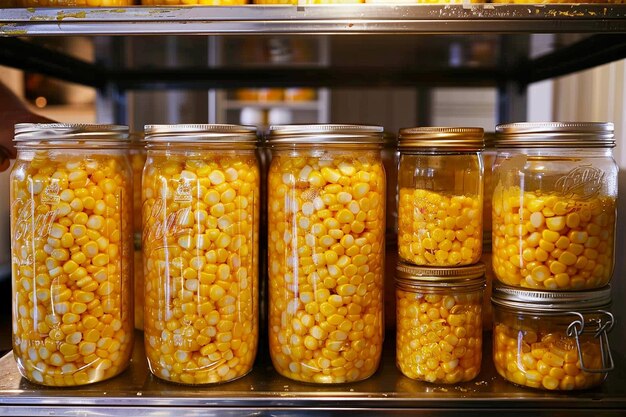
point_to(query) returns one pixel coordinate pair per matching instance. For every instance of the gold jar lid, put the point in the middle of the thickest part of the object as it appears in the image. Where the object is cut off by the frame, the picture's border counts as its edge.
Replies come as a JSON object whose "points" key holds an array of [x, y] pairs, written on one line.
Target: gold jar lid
{"points": [[555, 135], [467, 278], [69, 134], [457, 139], [536, 301], [201, 133], [325, 134]]}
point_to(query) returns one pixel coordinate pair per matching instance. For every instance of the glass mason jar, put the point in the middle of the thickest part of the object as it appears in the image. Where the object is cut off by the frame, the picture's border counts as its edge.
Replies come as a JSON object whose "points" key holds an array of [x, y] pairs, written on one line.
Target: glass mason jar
{"points": [[71, 251], [552, 340], [439, 322], [554, 205], [440, 196], [326, 244], [200, 243], [137, 153]]}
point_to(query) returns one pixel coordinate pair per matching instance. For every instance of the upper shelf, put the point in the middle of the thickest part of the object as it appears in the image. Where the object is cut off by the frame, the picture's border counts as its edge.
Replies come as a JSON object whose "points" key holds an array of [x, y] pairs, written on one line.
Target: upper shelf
{"points": [[316, 19]]}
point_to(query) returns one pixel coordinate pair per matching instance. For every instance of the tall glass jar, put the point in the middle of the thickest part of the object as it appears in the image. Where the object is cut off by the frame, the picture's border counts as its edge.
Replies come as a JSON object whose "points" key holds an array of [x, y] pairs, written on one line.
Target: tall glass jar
{"points": [[326, 244], [137, 153], [200, 244], [552, 340], [440, 196], [554, 205], [71, 251], [439, 322]]}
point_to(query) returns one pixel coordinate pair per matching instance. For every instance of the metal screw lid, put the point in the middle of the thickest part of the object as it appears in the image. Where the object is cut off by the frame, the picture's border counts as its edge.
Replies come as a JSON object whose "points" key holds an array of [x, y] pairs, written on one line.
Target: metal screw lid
{"points": [[330, 134], [555, 135], [68, 132], [463, 139], [537, 301], [211, 133], [405, 270]]}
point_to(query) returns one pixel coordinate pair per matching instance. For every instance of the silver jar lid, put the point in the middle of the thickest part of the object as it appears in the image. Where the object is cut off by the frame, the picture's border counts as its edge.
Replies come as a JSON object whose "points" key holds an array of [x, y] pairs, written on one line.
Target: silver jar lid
{"points": [[327, 134], [555, 135], [196, 133], [536, 301], [466, 278], [31, 134], [461, 139]]}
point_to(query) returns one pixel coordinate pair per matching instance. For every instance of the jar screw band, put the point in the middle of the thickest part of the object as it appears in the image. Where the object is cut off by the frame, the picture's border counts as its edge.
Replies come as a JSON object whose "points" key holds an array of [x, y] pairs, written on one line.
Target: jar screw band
{"points": [[577, 327]]}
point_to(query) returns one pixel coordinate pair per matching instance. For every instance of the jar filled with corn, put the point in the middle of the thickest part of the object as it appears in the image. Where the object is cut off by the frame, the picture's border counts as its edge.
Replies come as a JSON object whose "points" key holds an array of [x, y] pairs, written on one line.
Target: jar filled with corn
{"points": [[137, 153], [440, 196], [200, 251], [71, 249], [554, 205], [439, 322], [326, 244], [552, 340]]}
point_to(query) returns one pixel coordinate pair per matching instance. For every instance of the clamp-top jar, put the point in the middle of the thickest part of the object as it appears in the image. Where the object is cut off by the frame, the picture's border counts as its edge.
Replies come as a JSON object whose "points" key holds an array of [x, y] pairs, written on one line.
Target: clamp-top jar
{"points": [[439, 322], [552, 340], [554, 205], [440, 197], [71, 247], [200, 242], [326, 243]]}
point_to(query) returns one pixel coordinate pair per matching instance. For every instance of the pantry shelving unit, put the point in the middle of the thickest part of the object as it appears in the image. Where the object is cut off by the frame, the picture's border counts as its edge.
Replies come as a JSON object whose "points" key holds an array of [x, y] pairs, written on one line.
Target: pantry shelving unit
{"points": [[585, 36]]}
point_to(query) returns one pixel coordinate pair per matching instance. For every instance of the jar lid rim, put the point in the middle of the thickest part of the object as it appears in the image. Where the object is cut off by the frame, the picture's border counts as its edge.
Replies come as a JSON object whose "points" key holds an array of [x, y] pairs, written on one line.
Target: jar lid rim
{"points": [[345, 134], [28, 132], [461, 139], [215, 132], [555, 134], [409, 272], [550, 301]]}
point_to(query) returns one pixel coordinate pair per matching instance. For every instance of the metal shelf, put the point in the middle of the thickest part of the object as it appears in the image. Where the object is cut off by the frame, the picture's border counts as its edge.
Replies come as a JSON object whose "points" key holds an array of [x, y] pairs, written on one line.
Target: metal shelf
{"points": [[264, 392], [317, 19]]}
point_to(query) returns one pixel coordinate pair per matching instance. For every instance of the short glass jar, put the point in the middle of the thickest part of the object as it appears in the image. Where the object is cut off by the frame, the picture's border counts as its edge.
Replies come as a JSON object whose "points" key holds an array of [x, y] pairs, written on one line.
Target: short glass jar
{"points": [[201, 196], [440, 196], [552, 340], [326, 244], [439, 322], [71, 249], [554, 205]]}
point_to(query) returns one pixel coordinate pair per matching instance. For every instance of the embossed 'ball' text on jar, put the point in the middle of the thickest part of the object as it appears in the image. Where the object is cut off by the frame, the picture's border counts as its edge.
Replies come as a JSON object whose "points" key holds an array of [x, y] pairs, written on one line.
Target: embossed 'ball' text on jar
{"points": [[71, 248], [439, 322], [440, 196], [201, 200], [326, 244], [554, 206], [552, 340]]}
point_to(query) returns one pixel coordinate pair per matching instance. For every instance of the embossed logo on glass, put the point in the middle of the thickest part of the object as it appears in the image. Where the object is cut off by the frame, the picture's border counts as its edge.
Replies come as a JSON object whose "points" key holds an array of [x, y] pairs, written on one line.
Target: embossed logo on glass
{"points": [[51, 193], [183, 192], [583, 182]]}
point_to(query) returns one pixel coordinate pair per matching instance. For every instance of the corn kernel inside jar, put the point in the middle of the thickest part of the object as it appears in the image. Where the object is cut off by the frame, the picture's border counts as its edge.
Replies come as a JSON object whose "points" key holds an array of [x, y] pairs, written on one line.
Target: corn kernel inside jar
{"points": [[200, 240], [326, 261], [71, 229], [550, 241], [545, 359], [439, 229]]}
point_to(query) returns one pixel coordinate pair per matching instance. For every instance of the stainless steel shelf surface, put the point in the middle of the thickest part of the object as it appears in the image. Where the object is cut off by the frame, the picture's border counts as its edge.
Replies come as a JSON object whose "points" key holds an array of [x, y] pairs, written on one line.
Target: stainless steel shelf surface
{"points": [[263, 392], [317, 19]]}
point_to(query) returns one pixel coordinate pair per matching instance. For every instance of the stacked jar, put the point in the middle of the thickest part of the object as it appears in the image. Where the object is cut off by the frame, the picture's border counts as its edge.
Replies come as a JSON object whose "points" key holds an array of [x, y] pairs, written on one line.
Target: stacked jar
{"points": [[440, 201], [200, 249], [326, 243], [554, 213], [71, 248]]}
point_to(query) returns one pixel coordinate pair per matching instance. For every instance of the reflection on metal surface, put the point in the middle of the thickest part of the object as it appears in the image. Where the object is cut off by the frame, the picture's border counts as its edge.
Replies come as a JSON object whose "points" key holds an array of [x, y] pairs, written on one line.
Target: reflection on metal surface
{"points": [[318, 19], [264, 391]]}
